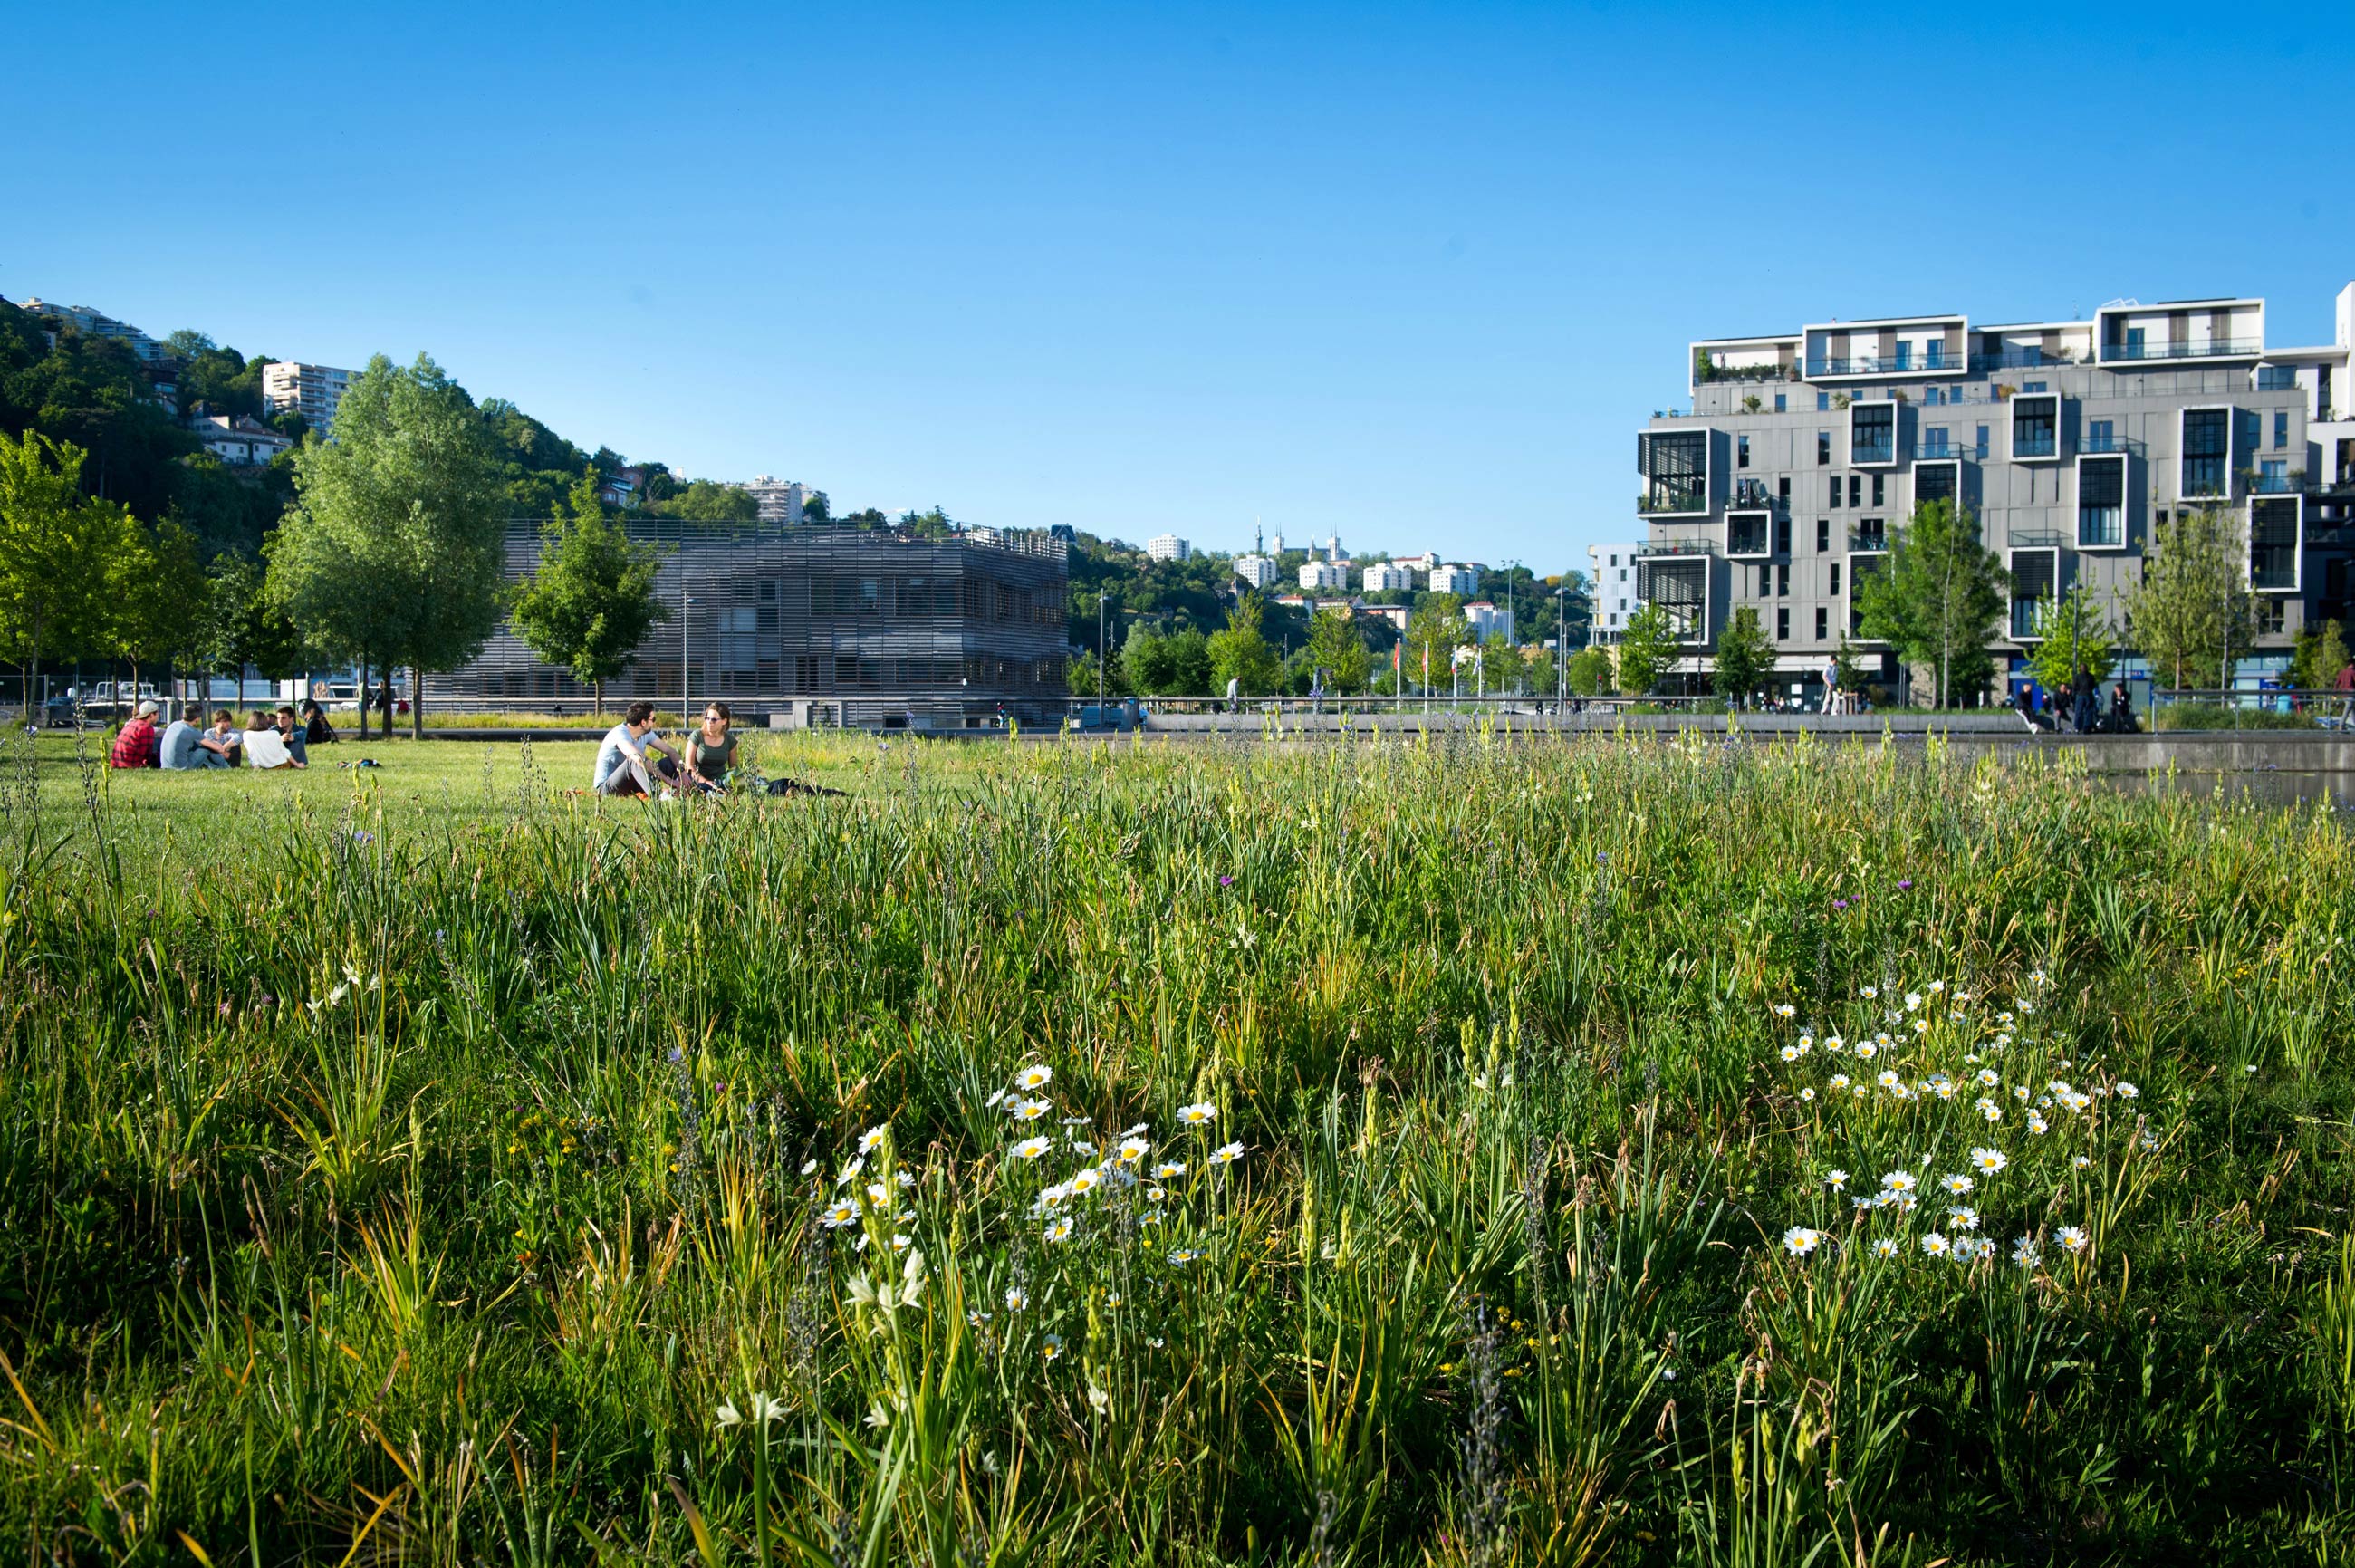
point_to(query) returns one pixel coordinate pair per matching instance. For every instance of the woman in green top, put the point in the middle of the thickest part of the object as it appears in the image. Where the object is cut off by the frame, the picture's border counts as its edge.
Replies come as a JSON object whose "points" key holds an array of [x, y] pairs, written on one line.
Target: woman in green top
{"points": [[711, 751]]}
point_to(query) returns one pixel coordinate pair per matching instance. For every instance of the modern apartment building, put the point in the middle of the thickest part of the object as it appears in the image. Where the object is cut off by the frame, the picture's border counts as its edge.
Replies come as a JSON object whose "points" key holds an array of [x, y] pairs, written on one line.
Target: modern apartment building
{"points": [[1612, 570], [1169, 546], [1456, 579], [98, 324], [311, 391], [2069, 440], [1389, 577], [1486, 620]]}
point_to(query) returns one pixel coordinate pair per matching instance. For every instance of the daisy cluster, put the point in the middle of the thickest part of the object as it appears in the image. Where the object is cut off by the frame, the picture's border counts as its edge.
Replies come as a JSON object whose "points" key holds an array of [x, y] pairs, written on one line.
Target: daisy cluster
{"points": [[1123, 1164], [1923, 1061]]}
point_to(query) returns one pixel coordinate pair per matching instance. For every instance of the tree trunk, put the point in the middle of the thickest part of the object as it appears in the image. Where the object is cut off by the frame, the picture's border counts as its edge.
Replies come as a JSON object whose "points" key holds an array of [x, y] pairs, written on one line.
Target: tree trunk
{"points": [[597, 690], [416, 705], [364, 698]]}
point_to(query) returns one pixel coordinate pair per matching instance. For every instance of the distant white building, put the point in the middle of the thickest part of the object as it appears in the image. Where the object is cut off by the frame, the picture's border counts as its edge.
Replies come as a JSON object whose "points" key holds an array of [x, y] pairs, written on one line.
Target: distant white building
{"points": [[97, 324], [1169, 546], [1390, 577], [1316, 576], [239, 439], [783, 501], [1256, 571], [1458, 580], [311, 391], [1396, 614], [1427, 561], [1332, 551], [1487, 619], [1612, 570]]}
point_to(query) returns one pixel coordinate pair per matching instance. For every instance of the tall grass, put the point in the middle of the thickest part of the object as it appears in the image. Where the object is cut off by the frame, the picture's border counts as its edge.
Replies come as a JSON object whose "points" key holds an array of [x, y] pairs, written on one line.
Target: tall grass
{"points": [[527, 1181]]}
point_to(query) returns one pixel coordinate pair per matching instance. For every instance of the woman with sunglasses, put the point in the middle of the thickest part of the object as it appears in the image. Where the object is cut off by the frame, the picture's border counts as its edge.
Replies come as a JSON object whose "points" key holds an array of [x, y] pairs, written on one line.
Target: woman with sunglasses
{"points": [[711, 751]]}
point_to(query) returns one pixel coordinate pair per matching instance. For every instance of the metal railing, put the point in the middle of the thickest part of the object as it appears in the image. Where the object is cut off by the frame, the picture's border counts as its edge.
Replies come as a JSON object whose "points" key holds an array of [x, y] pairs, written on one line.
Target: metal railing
{"points": [[1884, 364], [2022, 360], [1677, 547], [2100, 445], [2214, 348], [1745, 373]]}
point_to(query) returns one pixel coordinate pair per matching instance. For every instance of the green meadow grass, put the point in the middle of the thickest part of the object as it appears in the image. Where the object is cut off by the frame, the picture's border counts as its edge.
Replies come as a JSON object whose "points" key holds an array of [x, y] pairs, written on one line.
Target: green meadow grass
{"points": [[1418, 1151]]}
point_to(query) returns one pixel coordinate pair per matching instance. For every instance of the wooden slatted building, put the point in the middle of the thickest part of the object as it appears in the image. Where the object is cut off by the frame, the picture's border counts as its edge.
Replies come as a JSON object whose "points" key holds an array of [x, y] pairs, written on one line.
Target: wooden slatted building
{"points": [[819, 626]]}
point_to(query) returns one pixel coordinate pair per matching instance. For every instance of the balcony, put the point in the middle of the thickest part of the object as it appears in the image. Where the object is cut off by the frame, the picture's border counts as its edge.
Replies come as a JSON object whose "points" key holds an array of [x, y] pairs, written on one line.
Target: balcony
{"points": [[1940, 448], [1924, 364], [2214, 348], [1670, 501], [2028, 444], [1677, 547], [1708, 373], [2278, 485], [2037, 539], [2021, 360], [2097, 443], [1751, 495], [1868, 540]]}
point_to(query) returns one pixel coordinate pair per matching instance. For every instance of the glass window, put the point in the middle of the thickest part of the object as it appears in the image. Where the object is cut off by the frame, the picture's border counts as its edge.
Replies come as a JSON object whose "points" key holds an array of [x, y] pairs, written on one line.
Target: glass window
{"points": [[1783, 488], [1832, 491], [2207, 448], [1741, 452], [1823, 623], [1872, 432], [1835, 580], [1824, 536], [2100, 504], [1783, 582], [1823, 447], [1855, 489], [2281, 426], [1979, 447], [1823, 401], [1783, 625], [1782, 402], [1881, 489]]}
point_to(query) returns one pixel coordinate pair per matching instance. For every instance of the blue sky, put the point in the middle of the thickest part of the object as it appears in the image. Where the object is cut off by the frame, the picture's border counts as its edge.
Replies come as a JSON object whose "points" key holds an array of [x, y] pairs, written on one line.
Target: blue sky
{"points": [[1414, 273]]}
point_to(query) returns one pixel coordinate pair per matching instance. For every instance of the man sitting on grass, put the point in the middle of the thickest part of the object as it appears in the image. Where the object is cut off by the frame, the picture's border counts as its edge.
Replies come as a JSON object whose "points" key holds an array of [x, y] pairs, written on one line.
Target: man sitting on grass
{"points": [[136, 747], [621, 767]]}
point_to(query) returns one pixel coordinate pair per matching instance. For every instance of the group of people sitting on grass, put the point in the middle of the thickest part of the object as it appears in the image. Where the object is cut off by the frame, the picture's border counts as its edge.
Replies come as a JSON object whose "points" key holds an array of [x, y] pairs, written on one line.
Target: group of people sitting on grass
{"points": [[632, 759], [268, 741]]}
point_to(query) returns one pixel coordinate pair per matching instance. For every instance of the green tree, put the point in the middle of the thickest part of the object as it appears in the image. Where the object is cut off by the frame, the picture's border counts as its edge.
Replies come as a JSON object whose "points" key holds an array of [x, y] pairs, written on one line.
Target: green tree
{"points": [[708, 501], [1647, 647], [1846, 672], [1241, 653], [2194, 603], [1434, 633], [1939, 599], [394, 549], [591, 600], [1334, 648], [2074, 636], [1146, 660], [1745, 658], [159, 598], [2321, 654], [1190, 662], [60, 556], [245, 626], [1590, 671]]}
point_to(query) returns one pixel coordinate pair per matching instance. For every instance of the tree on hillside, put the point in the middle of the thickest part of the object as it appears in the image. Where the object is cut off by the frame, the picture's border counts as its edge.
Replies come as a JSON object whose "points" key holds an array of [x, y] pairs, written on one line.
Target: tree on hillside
{"points": [[1241, 652], [1336, 647], [57, 550], [1939, 600], [1745, 658], [2073, 634], [591, 601], [394, 549], [708, 501], [2193, 607], [1434, 633], [1647, 648]]}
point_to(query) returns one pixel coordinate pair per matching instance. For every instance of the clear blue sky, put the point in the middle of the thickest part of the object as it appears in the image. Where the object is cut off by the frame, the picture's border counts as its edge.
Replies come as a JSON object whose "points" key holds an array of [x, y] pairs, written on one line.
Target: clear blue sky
{"points": [[1414, 273]]}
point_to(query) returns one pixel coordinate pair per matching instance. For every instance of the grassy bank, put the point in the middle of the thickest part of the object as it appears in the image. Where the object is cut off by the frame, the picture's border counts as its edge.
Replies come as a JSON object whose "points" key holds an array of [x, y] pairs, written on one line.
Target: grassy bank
{"points": [[1543, 1151]]}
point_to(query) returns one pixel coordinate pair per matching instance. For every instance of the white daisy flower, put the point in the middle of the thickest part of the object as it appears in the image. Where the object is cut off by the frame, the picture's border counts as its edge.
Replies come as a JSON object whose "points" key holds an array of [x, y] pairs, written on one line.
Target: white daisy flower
{"points": [[1836, 1179], [1032, 1148], [1783, 1010], [1200, 1114], [1989, 1161], [2071, 1237], [1958, 1184], [1898, 1181], [1030, 1110], [1017, 1298], [1799, 1240], [1884, 1247], [2024, 1251], [1226, 1154], [1037, 1075], [871, 1136], [1806, 1095], [1839, 1080], [1168, 1169], [1963, 1219], [2081, 1163], [1936, 1245], [835, 1216], [1060, 1230], [1133, 1149]]}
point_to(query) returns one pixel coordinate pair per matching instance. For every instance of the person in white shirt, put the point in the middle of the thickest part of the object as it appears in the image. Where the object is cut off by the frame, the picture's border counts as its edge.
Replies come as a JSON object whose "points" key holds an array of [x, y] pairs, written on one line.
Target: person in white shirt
{"points": [[621, 767], [1834, 697]]}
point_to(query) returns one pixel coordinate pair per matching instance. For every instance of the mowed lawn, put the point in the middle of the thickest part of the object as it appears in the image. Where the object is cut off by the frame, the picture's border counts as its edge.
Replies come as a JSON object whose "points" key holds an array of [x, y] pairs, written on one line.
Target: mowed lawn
{"points": [[1460, 1150]]}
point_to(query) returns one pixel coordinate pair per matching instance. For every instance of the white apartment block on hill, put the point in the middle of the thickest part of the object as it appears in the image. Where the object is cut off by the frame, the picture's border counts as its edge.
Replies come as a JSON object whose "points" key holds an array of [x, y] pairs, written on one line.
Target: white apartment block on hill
{"points": [[1256, 571], [97, 324], [1316, 576], [1487, 619], [783, 501], [311, 391], [239, 439], [1458, 580], [1390, 577], [1169, 546]]}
